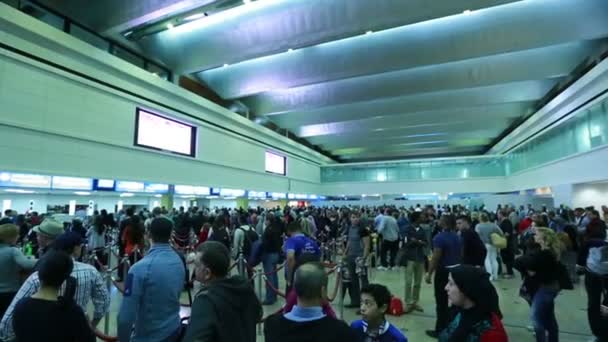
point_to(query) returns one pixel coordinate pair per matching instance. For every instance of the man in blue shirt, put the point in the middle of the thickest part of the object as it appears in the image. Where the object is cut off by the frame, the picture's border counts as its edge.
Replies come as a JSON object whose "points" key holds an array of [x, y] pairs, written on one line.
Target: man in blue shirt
{"points": [[150, 305], [299, 249]]}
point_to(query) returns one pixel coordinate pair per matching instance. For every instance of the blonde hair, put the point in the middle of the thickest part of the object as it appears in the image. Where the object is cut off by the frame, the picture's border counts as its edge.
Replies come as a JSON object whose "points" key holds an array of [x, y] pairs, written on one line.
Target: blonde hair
{"points": [[8, 233], [551, 241]]}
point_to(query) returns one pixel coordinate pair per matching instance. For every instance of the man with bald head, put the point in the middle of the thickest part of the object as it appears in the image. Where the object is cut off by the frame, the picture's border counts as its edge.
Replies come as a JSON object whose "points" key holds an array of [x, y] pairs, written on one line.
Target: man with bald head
{"points": [[306, 321]]}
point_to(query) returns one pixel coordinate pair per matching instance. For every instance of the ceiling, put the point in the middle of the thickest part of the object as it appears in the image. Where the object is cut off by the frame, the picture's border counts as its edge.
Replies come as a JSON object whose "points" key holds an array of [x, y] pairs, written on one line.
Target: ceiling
{"points": [[370, 80]]}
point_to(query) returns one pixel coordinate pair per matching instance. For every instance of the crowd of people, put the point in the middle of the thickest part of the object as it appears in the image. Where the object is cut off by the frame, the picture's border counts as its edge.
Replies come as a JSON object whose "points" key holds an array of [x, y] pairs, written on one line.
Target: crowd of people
{"points": [[461, 251]]}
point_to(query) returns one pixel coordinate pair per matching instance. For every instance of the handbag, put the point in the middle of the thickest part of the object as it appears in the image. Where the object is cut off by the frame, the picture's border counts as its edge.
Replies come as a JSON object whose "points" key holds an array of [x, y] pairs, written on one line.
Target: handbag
{"points": [[498, 241]]}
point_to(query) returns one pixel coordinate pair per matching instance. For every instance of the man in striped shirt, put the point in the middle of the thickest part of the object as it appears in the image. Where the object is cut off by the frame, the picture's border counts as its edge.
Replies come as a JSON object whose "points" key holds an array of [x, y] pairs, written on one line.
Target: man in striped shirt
{"points": [[90, 286]]}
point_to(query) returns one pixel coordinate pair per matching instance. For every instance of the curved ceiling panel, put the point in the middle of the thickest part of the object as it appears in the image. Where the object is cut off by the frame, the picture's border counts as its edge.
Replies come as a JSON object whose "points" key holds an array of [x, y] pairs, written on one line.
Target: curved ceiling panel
{"points": [[490, 31]]}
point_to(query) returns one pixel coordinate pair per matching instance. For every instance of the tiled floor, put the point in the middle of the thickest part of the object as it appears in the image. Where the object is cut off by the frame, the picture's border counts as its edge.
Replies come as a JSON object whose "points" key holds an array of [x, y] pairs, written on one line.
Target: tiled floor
{"points": [[570, 310]]}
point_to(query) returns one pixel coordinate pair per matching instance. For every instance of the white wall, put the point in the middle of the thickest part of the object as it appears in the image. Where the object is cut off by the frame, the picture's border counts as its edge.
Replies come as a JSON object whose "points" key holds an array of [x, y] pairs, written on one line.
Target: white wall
{"points": [[54, 122], [593, 194]]}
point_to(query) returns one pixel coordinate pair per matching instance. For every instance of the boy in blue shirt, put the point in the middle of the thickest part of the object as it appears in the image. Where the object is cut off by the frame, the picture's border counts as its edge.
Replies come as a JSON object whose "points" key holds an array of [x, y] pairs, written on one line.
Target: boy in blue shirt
{"points": [[374, 327]]}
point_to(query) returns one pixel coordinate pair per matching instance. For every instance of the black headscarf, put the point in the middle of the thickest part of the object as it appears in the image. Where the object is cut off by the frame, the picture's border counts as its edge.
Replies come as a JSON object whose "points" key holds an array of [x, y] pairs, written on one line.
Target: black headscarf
{"points": [[474, 283]]}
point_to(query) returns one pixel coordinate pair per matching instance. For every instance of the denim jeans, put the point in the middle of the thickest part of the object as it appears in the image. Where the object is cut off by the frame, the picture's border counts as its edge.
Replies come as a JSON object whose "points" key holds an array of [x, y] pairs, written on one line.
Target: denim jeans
{"points": [[269, 261], [543, 315]]}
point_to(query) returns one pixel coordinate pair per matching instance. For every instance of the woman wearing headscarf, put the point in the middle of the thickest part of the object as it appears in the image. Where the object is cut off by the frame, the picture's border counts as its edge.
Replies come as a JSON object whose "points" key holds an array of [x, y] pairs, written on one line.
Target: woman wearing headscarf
{"points": [[476, 315]]}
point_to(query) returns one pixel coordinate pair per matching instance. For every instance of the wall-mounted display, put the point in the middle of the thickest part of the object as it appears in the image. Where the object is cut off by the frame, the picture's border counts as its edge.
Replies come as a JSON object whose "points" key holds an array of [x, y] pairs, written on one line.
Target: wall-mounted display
{"points": [[276, 163], [104, 185], [164, 134]]}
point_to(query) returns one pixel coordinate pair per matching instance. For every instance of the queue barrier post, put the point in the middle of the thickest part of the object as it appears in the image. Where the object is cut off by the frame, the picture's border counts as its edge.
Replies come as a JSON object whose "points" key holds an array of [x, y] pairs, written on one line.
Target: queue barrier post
{"points": [[260, 274], [106, 320], [343, 271]]}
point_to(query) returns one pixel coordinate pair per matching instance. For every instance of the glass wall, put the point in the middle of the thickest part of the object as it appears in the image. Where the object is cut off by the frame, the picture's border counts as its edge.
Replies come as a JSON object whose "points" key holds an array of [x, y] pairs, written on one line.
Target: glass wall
{"points": [[585, 131], [416, 170]]}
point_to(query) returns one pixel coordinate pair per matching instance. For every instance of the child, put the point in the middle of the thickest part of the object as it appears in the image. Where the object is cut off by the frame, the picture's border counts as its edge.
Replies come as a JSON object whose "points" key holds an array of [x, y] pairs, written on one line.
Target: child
{"points": [[374, 327]]}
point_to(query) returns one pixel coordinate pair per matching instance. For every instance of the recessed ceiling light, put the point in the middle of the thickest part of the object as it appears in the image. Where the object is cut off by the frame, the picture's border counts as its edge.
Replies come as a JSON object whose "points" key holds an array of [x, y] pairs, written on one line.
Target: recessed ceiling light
{"points": [[246, 2], [170, 26], [82, 193], [127, 194], [195, 16], [369, 32], [289, 50], [466, 12], [225, 65]]}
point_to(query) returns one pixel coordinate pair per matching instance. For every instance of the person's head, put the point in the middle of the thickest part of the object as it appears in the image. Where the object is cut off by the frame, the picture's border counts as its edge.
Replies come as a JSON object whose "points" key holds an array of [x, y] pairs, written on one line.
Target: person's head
{"points": [[156, 212], [212, 261], [469, 286], [355, 217], [130, 211], [218, 223], [463, 222], [54, 268], [310, 284], [447, 222], [48, 231], [70, 243], [8, 212], [243, 220], [98, 224], [294, 228], [594, 214], [484, 217], [160, 230], [9, 234], [375, 299], [502, 214], [548, 240]]}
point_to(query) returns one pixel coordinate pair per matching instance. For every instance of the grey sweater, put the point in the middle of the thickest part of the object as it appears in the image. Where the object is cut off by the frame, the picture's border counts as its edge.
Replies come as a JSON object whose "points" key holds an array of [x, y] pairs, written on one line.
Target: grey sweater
{"points": [[12, 261]]}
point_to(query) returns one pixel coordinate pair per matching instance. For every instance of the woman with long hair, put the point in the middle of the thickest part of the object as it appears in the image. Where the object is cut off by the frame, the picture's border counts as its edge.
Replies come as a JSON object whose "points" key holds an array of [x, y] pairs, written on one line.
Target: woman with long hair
{"points": [[133, 239], [96, 236], [541, 272]]}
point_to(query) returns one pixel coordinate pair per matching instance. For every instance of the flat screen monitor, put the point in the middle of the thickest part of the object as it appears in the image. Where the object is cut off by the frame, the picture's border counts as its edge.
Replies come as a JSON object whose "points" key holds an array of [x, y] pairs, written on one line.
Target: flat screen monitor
{"points": [[276, 164], [164, 134], [104, 184], [129, 186]]}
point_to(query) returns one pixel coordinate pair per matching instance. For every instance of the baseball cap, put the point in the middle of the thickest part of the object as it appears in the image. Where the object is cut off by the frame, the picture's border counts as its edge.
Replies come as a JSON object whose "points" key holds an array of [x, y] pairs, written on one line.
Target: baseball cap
{"points": [[67, 241], [49, 227]]}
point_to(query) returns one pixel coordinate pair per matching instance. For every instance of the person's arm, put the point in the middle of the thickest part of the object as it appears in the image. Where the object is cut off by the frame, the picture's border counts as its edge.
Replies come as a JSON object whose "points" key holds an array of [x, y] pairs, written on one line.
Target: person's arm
{"points": [[29, 287], [291, 263], [202, 322], [22, 261], [236, 246], [366, 246], [437, 252], [131, 301], [80, 326], [100, 298]]}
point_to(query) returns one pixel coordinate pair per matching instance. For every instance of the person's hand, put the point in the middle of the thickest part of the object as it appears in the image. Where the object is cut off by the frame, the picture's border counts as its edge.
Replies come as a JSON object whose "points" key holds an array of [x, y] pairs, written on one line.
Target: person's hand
{"points": [[94, 323], [427, 278]]}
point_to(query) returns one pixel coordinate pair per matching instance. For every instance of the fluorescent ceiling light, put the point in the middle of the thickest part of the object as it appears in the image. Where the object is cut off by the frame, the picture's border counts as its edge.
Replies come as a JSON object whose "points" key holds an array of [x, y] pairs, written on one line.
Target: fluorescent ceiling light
{"points": [[82, 193], [289, 50], [170, 26], [246, 2], [195, 16], [226, 64], [127, 194], [466, 12], [369, 32], [20, 191], [158, 196]]}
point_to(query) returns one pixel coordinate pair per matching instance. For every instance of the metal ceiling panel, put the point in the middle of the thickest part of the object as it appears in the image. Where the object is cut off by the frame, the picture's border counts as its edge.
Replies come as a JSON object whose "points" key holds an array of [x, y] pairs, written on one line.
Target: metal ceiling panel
{"points": [[485, 32], [536, 64], [465, 98], [269, 27], [488, 114], [362, 141], [415, 152]]}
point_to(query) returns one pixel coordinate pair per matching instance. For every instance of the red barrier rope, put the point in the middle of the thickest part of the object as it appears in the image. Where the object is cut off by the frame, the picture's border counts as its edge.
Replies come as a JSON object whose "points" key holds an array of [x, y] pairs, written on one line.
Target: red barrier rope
{"points": [[275, 290]]}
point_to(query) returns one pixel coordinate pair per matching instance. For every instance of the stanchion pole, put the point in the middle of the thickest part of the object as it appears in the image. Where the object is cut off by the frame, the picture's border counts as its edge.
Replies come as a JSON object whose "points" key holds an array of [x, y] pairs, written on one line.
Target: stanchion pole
{"points": [[345, 281], [260, 274], [106, 320]]}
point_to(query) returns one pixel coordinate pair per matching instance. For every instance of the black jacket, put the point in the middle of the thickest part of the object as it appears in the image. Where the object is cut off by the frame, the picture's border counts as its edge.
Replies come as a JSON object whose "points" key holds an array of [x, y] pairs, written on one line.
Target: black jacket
{"points": [[277, 328], [415, 245], [473, 249], [226, 310]]}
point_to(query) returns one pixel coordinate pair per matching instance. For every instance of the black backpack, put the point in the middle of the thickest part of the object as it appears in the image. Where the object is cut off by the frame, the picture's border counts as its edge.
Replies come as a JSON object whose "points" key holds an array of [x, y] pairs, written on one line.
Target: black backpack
{"points": [[250, 236], [221, 236]]}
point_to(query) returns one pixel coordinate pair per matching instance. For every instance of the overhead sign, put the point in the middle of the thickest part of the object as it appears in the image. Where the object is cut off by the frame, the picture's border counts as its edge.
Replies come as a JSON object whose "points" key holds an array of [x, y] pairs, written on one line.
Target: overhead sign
{"points": [[23, 180], [72, 183], [157, 188], [130, 186], [192, 190], [232, 193]]}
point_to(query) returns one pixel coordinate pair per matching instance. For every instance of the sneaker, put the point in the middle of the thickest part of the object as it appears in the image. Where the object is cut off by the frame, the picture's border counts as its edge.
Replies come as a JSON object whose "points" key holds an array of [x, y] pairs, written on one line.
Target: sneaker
{"points": [[418, 308], [381, 268]]}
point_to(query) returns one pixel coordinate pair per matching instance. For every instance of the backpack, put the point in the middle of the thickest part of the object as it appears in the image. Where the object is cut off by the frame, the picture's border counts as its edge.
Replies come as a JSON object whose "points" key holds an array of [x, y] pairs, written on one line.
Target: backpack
{"points": [[250, 236], [395, 307], [221, 236]]}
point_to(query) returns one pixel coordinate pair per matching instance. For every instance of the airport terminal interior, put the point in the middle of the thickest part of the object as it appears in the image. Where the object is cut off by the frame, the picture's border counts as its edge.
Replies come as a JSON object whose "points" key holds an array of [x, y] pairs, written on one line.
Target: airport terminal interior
{"points": [[397, 142]]}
